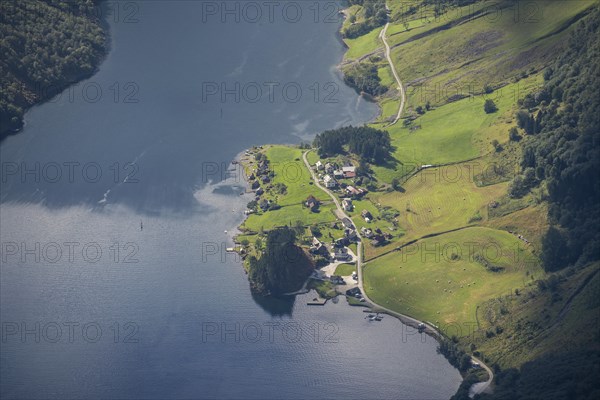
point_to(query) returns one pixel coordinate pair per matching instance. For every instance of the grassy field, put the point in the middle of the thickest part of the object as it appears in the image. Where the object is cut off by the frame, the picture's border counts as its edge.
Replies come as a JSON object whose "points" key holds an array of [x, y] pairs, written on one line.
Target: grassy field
{"points": [[345, 269], [363, 45], [290, 170], [289, 215], [425, 282], [454, 132], [441, 199]]}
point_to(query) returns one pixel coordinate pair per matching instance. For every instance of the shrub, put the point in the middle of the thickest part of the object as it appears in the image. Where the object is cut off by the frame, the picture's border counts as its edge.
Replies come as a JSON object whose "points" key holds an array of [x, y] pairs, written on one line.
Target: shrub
{"points": [[489, 106]]}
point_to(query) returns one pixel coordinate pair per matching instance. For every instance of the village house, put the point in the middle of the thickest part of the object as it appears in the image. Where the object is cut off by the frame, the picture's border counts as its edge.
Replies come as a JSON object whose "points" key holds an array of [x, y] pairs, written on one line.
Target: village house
{"points": [[264, 205], [347, 204], [263, 167], [329, 168], [378, 240], [349, 172], [341, 242], [350, 234], [347, 223], [319, 165], [366, 215], [366, 232], [319, 248], [312, 203], [338, 174], [341, 254], [259, 191], [337, 280], [329, 182], [352, 191]]}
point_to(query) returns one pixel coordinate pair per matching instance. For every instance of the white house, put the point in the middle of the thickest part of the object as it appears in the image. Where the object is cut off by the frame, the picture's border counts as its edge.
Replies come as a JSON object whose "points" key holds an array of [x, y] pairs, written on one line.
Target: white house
{"points": [[329, 168], [347, 204], [338, 174], [329, 182], [319, 165]]}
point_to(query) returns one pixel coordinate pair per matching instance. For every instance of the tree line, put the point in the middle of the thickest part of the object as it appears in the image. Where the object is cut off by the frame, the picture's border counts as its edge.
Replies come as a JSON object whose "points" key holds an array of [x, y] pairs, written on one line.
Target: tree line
{"points": [[370, 144]]}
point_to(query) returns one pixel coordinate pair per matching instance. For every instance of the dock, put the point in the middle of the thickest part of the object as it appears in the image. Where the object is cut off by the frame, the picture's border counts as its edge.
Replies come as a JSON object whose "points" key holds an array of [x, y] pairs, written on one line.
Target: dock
{"points": [[316, 302]]}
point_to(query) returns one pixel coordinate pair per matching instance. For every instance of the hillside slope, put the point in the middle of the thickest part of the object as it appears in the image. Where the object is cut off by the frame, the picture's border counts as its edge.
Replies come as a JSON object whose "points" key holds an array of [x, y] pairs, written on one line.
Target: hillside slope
{"points": [[492, 201]]}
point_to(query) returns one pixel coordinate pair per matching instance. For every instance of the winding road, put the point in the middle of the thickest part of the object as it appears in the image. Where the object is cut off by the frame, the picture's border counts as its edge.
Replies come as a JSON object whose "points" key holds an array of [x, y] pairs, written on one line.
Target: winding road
{"points": [[476, 388], [393, 68]]}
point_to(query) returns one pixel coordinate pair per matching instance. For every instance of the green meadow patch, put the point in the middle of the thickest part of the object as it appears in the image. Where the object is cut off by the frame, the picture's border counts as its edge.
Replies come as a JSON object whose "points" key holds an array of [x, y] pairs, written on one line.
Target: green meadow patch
{"points": [[363, 45], [289, 215], [442, 279], [441, 199], [345, 269]]}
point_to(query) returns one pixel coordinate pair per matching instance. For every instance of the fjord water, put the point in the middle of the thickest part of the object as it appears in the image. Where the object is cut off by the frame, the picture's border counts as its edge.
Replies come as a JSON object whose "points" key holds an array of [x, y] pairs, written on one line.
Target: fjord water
{"points": [[94, 306]]}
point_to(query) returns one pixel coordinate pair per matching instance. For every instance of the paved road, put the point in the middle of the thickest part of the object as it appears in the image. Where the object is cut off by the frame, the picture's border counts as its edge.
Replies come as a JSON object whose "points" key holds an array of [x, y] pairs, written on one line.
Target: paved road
{"points": [[477, 388], [393, 68]]}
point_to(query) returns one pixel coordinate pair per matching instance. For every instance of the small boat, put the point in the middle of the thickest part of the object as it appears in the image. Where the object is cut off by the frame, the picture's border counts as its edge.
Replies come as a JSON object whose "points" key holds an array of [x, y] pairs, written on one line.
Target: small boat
{"points": [[141, 226]]}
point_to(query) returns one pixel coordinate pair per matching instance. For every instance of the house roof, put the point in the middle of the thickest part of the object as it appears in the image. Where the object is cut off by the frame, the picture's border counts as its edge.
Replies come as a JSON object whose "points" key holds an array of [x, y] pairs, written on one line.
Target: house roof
{"points": [[349, 169]]}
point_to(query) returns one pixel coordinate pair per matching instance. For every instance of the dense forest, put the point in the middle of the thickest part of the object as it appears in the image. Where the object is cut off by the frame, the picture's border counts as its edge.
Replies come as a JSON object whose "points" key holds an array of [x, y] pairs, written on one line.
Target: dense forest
{"points": [[44, 46], [563, 148], [283, 266], [370, 144], [557, 376]]}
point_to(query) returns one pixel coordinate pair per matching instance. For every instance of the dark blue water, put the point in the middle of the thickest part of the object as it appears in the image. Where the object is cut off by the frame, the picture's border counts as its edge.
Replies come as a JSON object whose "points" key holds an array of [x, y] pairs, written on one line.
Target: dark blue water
{"points": [[94, 306]]}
